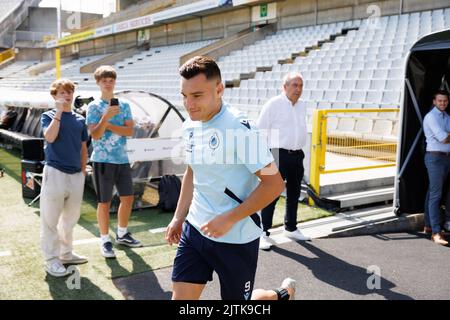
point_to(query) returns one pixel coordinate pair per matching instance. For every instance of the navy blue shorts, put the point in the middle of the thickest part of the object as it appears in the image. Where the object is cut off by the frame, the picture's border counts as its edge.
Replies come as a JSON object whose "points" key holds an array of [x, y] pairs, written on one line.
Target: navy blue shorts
{"points": [[197, 257]]}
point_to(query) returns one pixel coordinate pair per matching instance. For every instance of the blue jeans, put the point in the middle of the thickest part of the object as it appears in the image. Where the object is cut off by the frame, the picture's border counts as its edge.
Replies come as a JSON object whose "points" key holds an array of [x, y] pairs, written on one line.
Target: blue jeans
{"points": [[438, 167]]}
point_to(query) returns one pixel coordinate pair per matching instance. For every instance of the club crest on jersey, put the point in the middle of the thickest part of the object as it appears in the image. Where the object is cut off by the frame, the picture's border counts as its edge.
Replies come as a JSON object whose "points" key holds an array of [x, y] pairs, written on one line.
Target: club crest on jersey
{"points": [[245, 123], [214, 142], [190, 142]]}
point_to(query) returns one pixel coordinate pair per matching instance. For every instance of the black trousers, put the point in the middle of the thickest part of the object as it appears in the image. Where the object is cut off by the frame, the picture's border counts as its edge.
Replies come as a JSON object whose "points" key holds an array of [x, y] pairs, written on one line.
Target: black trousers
{"points": [[290, 165]]}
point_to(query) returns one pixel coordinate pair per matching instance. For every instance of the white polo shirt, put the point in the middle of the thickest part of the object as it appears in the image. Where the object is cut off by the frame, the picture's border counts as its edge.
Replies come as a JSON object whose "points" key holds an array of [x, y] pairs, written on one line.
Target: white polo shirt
{"points": [[224, 154], [284, 123]]}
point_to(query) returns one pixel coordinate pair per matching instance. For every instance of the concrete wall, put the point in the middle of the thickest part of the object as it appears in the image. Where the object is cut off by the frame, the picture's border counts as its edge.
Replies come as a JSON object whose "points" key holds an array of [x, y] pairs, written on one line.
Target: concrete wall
{"points": [[39, 54], [291, 13], [44, 20], [294, 13], [415, 5], [124, 4]]}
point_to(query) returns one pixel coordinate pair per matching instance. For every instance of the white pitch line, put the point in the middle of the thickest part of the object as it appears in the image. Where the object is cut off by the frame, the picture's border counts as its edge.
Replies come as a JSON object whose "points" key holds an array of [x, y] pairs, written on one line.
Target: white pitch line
{"points": [[157, 230], [5, 253], [86, 241]]}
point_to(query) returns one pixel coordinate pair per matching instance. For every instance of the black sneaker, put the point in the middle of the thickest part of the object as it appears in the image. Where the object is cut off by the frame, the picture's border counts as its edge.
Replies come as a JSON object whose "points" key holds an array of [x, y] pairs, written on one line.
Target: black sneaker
{"points": [[107, 250], [128, 240]]}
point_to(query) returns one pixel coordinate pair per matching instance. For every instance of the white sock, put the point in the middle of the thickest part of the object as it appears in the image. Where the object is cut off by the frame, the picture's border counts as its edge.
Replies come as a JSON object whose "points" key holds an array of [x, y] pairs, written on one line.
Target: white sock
{"points": [[121, 231], [105, 238]]}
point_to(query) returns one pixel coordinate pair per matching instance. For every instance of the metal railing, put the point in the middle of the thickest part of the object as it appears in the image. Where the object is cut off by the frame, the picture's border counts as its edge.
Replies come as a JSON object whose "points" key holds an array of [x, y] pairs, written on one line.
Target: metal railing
{"points": [[7, 54], [343, 151]]}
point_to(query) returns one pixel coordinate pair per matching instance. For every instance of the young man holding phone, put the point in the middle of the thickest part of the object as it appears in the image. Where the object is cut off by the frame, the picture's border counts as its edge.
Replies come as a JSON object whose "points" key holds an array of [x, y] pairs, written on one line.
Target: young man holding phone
{"points": [[109, 121]]}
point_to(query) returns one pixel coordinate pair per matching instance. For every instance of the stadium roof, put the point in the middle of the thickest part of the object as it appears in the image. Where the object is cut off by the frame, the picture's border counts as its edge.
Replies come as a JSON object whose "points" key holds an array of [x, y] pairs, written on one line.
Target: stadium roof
{"points": [[434, 41]]}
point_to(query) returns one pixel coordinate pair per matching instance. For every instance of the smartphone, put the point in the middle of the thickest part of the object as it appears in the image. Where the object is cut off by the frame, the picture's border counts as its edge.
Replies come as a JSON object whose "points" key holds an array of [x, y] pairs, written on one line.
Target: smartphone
{"points": [[114, 102]]}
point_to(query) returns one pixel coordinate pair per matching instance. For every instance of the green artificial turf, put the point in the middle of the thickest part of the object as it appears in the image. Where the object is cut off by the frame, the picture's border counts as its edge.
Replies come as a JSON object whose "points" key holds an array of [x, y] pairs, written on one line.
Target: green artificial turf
{"points": [[22, 275]]}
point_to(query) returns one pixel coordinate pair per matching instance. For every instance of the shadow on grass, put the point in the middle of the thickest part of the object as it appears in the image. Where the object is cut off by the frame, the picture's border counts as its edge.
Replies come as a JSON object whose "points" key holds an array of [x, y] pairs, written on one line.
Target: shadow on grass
{"points": [[140, 220], [60, 289]]}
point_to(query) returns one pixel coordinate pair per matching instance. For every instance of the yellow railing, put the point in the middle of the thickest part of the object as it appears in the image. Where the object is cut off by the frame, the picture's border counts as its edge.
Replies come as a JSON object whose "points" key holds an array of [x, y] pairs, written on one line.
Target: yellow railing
{"points": [[7, 54], [375, 151]]}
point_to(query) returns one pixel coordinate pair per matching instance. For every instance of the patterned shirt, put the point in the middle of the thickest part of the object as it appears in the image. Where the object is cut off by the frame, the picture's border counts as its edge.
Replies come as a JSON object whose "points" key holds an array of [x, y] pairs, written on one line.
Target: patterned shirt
{"points": [[111, 147]]}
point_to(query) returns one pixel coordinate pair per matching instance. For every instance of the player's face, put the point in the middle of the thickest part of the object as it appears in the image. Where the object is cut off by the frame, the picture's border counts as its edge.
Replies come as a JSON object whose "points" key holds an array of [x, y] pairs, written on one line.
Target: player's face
{"points": [[201, 97], [441, 101], [294, 89], [107, 84]]}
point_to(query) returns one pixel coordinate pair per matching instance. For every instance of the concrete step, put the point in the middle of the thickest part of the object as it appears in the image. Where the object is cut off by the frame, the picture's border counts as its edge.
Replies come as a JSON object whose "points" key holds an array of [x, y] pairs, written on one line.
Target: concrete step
{"points": [[354, 199], [380, 225], [380, 219], [340, 187], [323, 227]]}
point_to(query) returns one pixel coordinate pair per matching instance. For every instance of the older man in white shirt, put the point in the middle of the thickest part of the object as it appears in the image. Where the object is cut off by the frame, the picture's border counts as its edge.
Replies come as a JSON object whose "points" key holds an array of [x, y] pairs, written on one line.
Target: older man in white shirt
{"points": [[283, 118]]}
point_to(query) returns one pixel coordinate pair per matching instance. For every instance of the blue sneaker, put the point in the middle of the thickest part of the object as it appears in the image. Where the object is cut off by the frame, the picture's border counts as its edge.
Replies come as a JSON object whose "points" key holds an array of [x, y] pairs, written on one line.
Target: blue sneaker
{"points": [[128, 240], [107, 250]]}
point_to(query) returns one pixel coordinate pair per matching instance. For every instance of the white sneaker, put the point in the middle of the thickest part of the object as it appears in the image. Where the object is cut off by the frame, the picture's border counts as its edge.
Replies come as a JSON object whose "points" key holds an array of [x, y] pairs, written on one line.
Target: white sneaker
{"points": [[265, 242], [447, 226], [296, 235], [287, 284], [73, 258], [55, 268], [107, 250]]}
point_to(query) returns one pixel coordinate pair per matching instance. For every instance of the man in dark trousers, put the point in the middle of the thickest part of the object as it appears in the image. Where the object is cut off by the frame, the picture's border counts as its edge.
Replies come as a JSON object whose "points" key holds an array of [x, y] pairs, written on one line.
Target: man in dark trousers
{"points": [[283, 118], [436, 126]]}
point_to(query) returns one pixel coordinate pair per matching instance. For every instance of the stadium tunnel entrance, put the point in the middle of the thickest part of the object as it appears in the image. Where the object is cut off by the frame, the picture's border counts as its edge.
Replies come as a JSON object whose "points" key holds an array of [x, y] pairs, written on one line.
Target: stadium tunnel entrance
{"points": [[427, 70]]}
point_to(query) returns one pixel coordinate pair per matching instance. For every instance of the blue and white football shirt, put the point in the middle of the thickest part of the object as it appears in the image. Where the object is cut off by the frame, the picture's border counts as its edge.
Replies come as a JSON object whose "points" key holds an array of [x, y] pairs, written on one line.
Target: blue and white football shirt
{"points": [[224, 154]]}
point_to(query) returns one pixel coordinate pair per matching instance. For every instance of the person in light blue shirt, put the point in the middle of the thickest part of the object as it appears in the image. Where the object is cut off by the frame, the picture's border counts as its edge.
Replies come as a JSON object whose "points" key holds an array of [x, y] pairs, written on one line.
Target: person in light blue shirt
{"points": [[219, 155], [230, 177], [111, 147], [109, 121], [436, 126]]}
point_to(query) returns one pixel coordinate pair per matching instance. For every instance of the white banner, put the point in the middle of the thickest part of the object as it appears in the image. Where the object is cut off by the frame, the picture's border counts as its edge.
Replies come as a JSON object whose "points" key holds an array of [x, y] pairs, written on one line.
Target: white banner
{"points": [[52, 43], [104, 31], [137, 23], [151, 149], [241, 2]]}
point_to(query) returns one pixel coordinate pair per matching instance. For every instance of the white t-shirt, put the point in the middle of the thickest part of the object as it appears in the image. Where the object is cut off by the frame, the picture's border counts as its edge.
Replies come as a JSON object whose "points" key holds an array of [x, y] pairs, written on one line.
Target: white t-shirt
{"points": [[284, 123]]}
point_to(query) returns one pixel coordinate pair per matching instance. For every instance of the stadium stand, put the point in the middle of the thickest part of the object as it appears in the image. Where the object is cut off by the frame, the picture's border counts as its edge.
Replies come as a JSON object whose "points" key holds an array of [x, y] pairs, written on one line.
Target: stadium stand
{"points": [[16, 70], [8, 6], [351, 64]]}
